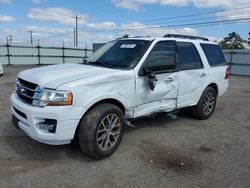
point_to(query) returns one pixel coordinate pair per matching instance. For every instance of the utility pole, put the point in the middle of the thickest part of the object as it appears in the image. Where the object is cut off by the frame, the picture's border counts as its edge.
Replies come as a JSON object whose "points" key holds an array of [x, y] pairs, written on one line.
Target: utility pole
{"points": [[248, 41], [31, 36], [11, 38], [76, 29], [74, 37]]}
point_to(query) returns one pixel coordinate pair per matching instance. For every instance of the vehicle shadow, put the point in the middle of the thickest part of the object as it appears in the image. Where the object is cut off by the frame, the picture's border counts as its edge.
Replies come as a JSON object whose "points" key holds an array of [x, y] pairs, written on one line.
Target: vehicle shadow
{"points": [[19, 146], [157, 120]]}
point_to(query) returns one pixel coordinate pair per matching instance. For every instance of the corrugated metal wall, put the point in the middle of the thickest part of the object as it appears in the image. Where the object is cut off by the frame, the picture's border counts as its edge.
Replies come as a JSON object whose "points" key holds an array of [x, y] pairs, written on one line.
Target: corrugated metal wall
{"points": [[239, 61], [15, 55]]}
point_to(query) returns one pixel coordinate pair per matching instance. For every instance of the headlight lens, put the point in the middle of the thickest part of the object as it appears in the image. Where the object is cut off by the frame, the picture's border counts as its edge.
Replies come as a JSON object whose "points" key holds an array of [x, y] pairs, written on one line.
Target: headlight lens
{"points": [[55, 98]]}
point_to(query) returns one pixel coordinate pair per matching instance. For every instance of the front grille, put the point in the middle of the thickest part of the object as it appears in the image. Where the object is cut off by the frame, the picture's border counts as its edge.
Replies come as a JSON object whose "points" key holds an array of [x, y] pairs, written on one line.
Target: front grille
{"points": [[27, 91]]}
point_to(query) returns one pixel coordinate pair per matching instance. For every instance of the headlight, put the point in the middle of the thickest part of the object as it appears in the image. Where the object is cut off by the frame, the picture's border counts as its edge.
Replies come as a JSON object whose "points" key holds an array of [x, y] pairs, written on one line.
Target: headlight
{"points": [[54, 98]]}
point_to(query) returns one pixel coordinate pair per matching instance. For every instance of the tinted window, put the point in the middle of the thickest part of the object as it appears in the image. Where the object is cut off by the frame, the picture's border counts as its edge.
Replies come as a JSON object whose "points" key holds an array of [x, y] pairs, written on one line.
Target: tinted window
{"points": [[188, 57], [214, 54], [162, 57]]}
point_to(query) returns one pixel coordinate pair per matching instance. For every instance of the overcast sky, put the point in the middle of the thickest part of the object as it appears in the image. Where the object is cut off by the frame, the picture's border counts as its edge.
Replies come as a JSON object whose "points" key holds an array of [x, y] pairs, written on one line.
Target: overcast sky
{"points": [[104, 20]]}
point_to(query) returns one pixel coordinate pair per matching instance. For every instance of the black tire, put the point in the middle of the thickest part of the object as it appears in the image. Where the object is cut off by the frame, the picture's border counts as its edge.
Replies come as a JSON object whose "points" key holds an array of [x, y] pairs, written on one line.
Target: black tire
{"points": [[199, 111], [90, 126]]}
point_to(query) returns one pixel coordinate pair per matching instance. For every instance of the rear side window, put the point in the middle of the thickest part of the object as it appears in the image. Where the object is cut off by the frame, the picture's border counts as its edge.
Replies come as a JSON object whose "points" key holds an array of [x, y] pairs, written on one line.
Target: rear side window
{"points": [[188, 56], [214, 54]]}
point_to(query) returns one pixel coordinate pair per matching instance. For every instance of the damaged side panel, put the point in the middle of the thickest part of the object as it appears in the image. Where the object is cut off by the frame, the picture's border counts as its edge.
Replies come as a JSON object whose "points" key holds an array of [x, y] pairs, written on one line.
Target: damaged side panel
{"points": [[190, 84], [119, 86], [162, 98]]}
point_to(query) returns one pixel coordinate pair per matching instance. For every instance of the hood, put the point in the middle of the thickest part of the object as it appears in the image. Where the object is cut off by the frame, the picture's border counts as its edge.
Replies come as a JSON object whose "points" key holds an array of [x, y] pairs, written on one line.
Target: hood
{"points": [[55, 75]]}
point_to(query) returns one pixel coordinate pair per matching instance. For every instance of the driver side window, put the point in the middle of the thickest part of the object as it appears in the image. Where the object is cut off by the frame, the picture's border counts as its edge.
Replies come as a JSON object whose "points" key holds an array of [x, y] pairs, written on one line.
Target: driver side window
{"points": [[162, 57]]}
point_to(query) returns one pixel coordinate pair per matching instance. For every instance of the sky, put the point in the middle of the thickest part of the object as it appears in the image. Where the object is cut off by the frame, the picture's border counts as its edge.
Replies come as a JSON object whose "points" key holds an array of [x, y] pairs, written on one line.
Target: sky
{"points": [[103, 20]]}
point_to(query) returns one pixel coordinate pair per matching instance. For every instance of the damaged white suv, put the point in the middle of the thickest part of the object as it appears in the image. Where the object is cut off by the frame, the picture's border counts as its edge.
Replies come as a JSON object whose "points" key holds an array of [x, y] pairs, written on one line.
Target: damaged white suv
{"points": [[125, 79]]}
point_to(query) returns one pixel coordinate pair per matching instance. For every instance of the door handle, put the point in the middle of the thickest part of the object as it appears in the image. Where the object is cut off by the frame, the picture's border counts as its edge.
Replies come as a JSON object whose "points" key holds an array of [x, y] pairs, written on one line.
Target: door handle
{"points": [[169, 79], [203, 74]]}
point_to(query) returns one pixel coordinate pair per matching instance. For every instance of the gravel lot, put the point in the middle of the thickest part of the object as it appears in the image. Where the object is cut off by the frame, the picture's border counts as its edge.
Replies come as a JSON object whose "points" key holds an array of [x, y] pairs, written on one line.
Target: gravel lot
{"points": [[159, 152]]}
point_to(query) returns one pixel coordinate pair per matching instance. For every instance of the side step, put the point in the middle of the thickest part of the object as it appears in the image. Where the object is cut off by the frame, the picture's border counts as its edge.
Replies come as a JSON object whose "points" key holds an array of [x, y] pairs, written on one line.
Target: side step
{"points": [[173, 114]]}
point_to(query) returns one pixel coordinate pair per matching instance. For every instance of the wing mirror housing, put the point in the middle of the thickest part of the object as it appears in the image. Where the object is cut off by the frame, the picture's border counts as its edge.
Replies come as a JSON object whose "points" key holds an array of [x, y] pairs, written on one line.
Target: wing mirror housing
{"points": [[152, 79]]}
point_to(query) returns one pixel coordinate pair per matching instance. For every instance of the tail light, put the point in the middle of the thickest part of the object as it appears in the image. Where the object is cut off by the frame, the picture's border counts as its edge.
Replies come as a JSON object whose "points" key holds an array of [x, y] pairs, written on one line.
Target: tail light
{"points": [[227, 73]]}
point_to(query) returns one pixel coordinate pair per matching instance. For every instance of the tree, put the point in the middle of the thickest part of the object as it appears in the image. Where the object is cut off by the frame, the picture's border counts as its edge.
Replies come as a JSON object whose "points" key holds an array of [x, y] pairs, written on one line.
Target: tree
{"points": [[232, 41]]}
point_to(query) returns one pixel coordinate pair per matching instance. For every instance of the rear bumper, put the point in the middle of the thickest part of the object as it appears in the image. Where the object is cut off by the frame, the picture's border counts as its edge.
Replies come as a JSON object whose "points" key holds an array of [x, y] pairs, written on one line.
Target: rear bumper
{"points": [[223, 87], [28, 116]]}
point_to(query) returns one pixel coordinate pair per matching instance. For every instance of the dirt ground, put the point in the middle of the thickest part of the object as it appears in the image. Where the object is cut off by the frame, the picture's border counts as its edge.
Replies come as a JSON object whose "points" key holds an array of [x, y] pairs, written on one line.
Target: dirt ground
{"points": [[159, 152]]}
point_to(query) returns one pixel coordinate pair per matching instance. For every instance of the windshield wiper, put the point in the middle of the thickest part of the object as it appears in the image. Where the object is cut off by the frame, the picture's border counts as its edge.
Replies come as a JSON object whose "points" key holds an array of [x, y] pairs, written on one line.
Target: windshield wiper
{"points": [[101, 63]]}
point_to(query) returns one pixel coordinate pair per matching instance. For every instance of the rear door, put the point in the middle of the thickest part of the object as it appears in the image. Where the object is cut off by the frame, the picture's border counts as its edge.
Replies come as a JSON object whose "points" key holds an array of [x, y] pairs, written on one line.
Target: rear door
{"points": [[161, 61], [192, 75], [218, 70]]}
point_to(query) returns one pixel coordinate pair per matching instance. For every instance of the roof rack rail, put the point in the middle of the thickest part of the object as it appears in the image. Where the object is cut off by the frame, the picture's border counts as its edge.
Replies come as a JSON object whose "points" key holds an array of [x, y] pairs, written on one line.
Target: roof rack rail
{"points": [[184, 37]]}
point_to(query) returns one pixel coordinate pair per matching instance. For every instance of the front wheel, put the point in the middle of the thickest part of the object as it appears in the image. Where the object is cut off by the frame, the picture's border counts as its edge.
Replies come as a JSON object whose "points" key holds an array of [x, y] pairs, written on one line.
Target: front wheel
{"points": [[206, 105], [101, 130]]}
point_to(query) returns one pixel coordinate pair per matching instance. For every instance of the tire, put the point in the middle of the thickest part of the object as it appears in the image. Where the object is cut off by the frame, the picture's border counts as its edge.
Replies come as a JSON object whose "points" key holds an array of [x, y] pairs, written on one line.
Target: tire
{"points": [[206, 105], [96, 137]]}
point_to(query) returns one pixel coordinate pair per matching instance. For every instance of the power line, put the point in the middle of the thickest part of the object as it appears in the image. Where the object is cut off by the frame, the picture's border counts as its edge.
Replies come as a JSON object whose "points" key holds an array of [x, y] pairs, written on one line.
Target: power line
{"points": [[197, 19], [194, 15], [176, 25], [195, 24]]}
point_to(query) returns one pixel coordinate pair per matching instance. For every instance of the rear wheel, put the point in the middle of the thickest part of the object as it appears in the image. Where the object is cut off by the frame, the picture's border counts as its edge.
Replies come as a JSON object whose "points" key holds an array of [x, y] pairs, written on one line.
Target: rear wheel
{"points": [[206, 105], [101, 131]]}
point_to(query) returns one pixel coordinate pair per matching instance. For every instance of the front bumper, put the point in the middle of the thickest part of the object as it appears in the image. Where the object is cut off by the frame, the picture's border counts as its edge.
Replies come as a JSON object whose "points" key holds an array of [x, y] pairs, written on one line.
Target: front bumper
{"points": [[28, 116]]}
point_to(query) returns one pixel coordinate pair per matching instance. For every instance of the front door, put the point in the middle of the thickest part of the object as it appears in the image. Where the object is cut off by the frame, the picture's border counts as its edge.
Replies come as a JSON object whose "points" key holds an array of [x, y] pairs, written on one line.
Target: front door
{"points": [[161, 62]]}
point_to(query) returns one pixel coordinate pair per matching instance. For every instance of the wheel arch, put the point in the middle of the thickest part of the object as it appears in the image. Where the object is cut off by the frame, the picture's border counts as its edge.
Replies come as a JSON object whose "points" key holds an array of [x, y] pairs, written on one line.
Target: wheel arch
{"points": [[215, 87], [211, 84], [110, 100]]}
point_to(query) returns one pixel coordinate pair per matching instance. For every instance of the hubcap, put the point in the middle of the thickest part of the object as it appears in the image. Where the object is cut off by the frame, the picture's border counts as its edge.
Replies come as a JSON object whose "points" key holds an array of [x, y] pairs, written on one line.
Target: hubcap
{"points": [[108, 132], [208, 104]]}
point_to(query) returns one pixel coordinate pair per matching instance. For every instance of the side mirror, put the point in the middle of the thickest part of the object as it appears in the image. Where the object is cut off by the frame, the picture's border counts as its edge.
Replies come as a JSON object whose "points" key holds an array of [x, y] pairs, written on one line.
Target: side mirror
{"points": [[151, 78]]}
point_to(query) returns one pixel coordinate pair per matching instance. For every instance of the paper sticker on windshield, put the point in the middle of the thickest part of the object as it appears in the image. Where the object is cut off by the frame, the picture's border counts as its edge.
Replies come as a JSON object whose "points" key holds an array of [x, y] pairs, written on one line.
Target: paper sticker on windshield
{"points": [[128, 45]]}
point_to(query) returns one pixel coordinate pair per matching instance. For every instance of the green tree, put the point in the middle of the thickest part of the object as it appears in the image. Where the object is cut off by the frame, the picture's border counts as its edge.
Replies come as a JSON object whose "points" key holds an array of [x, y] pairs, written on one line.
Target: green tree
{"points": [[232, 41]]}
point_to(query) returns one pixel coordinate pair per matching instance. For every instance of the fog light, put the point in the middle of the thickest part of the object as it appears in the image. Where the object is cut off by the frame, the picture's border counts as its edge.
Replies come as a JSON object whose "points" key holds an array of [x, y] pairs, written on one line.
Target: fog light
{"points": [[48, 125]]}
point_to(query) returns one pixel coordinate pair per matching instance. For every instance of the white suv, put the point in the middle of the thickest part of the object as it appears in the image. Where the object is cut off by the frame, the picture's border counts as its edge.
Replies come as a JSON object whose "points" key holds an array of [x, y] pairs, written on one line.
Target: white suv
{"points": [[125, 79]]}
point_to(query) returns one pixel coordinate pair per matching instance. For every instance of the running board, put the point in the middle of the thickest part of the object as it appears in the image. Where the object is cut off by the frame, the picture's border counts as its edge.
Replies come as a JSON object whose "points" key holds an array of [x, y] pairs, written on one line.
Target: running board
{"points": [[173, 114], [129, 124]]}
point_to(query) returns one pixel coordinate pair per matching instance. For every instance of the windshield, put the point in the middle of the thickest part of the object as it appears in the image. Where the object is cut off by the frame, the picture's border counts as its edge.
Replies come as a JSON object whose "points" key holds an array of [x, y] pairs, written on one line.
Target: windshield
{"points": [[120, 54]]}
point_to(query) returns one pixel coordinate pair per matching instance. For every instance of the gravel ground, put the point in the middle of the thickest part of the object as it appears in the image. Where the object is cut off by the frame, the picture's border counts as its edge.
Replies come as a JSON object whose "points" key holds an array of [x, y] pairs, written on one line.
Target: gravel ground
{"points": [[159, 152]]}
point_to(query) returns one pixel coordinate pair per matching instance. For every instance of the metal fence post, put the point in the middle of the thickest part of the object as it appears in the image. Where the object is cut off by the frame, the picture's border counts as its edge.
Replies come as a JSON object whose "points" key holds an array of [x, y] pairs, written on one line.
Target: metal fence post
{"points": [[231, 59], [85, 51], [8, 53], [63, 54], [39, 54]]}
